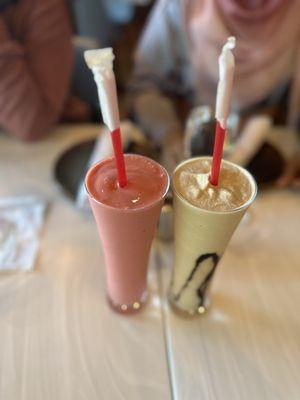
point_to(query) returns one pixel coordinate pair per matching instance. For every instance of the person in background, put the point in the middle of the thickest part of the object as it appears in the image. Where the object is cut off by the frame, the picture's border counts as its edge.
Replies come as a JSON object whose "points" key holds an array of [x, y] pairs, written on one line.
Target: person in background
{"points": [[97, 24], [178, 54], [104, 23], [36, 61], [102, 19]]}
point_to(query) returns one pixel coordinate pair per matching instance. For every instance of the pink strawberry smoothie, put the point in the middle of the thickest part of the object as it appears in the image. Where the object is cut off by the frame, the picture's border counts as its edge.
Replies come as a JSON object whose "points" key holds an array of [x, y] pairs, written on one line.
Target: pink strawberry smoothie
{"points": [[126, 219], [147, 182]]}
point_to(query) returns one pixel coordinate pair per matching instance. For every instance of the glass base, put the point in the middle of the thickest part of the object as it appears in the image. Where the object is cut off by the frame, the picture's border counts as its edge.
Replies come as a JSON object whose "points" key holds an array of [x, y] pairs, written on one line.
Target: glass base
{"points": [[127, 309], [187, 314]]}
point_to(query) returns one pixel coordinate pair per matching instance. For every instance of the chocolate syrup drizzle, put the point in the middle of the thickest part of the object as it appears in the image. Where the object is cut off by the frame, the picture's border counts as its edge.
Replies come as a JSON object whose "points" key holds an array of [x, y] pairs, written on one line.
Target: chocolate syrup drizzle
{"points": [[204, 284]]}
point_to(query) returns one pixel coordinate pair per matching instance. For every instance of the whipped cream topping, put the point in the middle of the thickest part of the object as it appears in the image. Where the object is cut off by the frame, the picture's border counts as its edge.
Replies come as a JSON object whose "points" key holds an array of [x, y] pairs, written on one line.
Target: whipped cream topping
{"points": [[192, 182]]}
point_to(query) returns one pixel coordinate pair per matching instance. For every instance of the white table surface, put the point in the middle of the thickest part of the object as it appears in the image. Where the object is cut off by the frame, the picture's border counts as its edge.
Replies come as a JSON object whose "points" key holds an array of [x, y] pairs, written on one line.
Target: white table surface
{"points": [[60, 341]]}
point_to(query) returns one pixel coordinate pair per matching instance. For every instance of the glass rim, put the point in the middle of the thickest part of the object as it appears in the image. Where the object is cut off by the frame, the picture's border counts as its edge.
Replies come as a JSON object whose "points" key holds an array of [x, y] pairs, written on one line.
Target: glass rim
{"points": [[128, 210], [234, 210]]}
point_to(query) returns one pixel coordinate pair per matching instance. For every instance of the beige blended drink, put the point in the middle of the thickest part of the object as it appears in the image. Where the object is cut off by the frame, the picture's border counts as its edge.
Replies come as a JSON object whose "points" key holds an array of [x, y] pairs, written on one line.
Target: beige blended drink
{"points": [[206, 216]]}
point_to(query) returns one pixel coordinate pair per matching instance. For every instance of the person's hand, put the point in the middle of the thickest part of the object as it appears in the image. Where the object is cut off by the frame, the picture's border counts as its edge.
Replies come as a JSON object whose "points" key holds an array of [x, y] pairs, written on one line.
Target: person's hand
{"points": [[172, 150], [76, 110], [291, 174]]}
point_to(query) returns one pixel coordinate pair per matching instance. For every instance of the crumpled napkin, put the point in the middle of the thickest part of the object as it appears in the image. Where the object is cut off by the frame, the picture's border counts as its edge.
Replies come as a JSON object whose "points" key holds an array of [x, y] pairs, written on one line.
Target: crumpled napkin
{"points": [[21, 220]]}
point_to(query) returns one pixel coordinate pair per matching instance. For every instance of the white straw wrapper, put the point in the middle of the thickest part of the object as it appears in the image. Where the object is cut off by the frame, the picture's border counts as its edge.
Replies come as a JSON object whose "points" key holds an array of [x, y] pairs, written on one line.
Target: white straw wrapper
{"points": [[226, 72], [101, 63]]}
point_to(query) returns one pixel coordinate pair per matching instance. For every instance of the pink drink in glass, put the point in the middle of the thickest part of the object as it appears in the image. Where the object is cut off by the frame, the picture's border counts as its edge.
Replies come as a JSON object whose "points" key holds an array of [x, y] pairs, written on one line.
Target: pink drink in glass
{"points": [[126, 219]]}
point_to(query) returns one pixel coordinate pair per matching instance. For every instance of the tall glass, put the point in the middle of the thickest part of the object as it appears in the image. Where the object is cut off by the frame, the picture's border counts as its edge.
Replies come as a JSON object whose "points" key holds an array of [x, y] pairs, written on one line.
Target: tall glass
{"points": [[127, 234], [201, 237]]}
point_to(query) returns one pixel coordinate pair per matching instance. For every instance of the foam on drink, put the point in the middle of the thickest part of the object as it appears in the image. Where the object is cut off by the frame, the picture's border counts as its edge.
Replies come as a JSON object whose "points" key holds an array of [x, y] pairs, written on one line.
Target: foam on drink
{"points": [[191, 180], [147, 182]]}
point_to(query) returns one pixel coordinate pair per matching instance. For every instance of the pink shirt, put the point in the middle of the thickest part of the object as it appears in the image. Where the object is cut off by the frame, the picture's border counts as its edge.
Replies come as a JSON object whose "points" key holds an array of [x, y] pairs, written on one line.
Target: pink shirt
{"points": [[36, 58]]}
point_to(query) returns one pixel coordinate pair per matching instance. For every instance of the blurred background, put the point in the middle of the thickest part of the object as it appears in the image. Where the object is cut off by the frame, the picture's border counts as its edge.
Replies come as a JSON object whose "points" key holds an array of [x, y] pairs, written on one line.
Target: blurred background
{"points": [[51, 131], [166, 68]]}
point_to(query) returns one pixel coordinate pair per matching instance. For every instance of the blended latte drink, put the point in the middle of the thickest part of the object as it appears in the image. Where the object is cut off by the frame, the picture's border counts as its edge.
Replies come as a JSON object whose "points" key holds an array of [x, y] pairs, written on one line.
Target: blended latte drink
{"points": [[126, 219], [205, 218]]}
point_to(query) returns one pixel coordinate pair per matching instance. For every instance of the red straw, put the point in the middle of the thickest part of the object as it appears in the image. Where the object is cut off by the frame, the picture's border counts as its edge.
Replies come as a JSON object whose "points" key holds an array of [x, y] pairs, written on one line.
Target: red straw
{"points": [[119, 156], [217, 154]]}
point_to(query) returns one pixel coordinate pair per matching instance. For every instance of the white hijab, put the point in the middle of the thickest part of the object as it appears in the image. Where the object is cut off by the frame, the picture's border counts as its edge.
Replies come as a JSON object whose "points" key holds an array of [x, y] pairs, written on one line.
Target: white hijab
{"points": [[267, 53]]}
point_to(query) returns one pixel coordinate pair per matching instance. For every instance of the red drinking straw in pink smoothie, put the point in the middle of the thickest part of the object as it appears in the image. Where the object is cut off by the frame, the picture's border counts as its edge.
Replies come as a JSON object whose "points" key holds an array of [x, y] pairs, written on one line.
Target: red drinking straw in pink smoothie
{"points": [[119, 157], [226, 71], [101, 63]]}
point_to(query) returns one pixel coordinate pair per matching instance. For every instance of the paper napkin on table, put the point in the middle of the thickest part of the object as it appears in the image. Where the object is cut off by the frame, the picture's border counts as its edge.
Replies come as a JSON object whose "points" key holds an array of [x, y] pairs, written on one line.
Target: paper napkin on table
{"points": [[21, 219]]}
